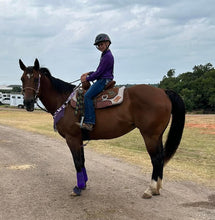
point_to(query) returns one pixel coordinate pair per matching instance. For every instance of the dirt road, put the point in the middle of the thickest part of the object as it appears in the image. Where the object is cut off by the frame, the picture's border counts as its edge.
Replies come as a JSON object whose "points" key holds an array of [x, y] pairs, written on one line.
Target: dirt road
{"points": [[37, 176]]}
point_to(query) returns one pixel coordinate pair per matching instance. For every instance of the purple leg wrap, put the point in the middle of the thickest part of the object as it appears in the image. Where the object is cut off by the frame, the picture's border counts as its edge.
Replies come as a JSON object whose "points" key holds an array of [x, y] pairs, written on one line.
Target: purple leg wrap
{"points": [[80, 180], [85, 174]]}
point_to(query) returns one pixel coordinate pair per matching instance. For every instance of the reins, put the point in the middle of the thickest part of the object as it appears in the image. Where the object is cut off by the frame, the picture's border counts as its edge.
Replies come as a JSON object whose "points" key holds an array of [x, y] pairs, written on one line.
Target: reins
{"points": [[64, 104], [37, 92], [75, 81], [44, 109]]}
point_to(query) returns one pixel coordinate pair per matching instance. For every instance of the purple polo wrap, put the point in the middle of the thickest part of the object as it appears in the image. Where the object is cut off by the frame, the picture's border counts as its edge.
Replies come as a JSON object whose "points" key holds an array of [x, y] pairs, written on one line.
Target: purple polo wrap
{"points": [[85, 174], [80, 180]]}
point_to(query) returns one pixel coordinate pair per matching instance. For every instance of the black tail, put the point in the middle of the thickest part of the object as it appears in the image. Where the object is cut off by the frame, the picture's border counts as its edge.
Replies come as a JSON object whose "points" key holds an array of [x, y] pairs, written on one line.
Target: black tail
{"points": [[177, 125]]}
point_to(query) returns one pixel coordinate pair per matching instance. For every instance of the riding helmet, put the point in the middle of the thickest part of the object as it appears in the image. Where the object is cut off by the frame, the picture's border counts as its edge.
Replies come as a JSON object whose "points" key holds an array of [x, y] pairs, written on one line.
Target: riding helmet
{"points": [[102, 38]]}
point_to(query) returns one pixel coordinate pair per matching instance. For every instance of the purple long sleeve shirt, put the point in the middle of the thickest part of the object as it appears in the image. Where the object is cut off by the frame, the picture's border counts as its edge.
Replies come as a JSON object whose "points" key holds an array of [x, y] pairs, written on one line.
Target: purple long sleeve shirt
{"points": [[105, 68]]}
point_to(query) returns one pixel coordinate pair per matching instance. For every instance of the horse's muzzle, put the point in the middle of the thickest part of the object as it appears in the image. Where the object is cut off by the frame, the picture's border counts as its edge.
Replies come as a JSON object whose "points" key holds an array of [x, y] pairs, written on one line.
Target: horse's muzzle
{"points": [[29, 104]]}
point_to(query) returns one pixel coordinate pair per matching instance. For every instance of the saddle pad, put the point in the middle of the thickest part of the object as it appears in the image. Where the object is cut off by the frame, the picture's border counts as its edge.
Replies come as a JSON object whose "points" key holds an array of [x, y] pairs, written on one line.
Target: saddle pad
{"points": [[113, 96]]}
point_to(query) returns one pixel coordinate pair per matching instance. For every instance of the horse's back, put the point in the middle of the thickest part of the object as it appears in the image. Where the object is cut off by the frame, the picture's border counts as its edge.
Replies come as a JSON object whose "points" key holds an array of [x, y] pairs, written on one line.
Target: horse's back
{"points": [[150, 105], [148, 95]]}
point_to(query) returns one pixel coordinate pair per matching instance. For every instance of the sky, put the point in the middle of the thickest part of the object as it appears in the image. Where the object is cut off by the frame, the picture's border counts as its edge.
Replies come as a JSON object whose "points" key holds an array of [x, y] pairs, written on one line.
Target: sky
{"points": [[149, 37]]}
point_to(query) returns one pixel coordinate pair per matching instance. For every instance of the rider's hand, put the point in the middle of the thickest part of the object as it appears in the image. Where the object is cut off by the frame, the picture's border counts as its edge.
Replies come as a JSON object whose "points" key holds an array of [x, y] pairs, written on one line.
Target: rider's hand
{"points": [[85, 74], [83, 77]]}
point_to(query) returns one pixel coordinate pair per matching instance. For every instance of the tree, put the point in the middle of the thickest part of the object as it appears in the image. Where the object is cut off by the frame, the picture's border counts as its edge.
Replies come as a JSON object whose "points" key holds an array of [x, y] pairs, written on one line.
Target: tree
{"points": [[171, 73], [16, 89], [201, 69], [188, 97], [197, 88]]}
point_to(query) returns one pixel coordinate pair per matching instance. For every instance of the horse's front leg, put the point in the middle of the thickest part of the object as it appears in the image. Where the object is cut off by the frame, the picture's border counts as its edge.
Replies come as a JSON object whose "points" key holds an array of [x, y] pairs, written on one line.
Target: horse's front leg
{"points": [[83, 165], [76, 148]]}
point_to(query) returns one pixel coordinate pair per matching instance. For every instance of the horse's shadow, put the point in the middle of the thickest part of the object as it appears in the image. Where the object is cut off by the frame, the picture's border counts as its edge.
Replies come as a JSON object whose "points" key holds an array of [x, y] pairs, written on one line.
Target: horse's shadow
{"points": [[210, 204]]}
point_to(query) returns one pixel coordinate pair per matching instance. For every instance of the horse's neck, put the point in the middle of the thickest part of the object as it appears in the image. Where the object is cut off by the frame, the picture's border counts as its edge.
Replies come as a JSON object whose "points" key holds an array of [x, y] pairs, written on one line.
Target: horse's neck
{"points": [[50, 98]]}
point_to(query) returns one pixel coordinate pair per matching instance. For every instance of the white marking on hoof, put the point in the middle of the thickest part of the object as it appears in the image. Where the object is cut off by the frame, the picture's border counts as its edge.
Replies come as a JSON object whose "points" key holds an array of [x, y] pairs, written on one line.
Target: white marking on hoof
{"points": [[159, 185], [147, 194], [153, 189]]}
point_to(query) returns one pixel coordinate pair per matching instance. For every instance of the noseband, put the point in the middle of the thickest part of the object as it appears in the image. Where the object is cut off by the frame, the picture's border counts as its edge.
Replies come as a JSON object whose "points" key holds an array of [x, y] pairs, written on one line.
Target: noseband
{"points": [[35, 90]]}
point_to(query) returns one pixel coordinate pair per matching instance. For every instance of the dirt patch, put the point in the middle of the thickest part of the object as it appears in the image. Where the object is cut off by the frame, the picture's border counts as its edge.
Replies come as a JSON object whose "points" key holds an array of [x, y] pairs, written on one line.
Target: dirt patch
{"points": [[207, 126], [114, 190], [210, 204], [204, 128], [206, 123], [20, 167]]}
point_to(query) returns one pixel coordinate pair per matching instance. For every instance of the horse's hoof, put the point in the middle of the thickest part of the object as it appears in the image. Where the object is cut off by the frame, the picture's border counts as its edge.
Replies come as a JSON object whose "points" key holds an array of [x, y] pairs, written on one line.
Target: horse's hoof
{"points": [[76, 191], [156, 193], [147, 195]]}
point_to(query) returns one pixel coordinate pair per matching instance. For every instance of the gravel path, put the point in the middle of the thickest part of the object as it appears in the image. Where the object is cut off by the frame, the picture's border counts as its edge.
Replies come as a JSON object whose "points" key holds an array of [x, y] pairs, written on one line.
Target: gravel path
{"points": [[38, 175]]}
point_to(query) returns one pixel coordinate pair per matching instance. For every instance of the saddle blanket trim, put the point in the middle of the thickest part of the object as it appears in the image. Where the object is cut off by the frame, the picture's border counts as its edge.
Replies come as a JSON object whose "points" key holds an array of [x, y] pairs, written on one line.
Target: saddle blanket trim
{"points": [[105, 102]]}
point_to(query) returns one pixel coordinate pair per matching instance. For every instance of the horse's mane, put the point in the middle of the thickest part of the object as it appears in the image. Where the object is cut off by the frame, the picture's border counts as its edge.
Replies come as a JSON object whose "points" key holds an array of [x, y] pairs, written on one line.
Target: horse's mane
{"points": [[60, 85]]}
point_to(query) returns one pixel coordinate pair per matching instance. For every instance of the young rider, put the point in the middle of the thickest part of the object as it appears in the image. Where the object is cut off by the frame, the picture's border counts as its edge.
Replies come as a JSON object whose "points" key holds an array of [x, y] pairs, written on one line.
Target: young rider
{"points": [[103, 75]]}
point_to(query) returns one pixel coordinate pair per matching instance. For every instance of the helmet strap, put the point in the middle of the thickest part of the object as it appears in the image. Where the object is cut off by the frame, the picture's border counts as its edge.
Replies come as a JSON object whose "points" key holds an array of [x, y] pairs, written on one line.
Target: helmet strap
{"points": [[107, 47]]}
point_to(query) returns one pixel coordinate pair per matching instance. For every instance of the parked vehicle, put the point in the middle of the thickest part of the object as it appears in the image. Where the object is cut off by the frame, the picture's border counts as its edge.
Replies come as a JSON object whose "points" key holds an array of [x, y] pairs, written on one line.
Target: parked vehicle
{"points": [[4, 98], [11, 99], [5, 101], [16, 100]]}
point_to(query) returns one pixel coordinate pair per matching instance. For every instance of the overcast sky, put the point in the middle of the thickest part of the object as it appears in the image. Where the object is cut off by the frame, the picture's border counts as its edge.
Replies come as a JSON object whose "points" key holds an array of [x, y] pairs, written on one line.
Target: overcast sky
{"points": [[149, 37]]}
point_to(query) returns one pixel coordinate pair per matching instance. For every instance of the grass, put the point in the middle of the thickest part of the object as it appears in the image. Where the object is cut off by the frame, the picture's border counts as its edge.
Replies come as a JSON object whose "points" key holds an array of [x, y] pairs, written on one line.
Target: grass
{"points": [[37, 121], [193, 161]]}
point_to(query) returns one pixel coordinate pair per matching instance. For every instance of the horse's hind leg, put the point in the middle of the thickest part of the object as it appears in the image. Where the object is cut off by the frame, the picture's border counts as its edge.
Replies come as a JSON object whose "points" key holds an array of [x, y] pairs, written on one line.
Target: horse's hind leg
{"points": [[155, 149]]}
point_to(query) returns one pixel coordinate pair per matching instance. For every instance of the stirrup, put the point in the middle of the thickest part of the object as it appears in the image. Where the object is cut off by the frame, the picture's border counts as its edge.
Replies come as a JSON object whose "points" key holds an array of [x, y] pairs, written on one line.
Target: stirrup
{"points": [[88, 127], [85, 126]]}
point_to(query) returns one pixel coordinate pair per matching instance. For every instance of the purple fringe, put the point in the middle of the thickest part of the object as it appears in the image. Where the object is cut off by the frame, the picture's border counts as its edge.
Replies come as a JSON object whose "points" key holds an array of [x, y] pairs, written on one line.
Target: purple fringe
{"points": [[58, 116], [60, 111]]}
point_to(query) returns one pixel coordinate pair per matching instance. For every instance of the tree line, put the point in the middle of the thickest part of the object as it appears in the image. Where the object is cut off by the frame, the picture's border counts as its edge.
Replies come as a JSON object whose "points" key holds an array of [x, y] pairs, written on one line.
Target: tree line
{"points": [[197, 88]]}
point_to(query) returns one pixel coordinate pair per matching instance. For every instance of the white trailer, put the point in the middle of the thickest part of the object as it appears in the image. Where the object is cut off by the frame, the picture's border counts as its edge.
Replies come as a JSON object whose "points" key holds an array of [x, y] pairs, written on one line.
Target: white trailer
{"points": [[16, 100], [4, 98]]}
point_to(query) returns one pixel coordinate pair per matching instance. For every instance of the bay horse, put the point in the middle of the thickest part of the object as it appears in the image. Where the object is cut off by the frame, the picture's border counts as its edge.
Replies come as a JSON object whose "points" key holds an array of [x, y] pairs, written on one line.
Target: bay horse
{"points": [[144, 107]]}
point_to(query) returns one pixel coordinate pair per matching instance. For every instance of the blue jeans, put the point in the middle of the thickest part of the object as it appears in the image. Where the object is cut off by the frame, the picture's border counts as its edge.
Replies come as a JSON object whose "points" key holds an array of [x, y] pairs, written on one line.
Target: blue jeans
{"points": [[92, 92]]}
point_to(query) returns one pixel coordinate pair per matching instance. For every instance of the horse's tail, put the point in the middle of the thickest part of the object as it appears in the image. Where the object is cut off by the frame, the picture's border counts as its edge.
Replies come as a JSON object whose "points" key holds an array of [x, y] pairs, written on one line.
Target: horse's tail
{"points": [[177, 125]]}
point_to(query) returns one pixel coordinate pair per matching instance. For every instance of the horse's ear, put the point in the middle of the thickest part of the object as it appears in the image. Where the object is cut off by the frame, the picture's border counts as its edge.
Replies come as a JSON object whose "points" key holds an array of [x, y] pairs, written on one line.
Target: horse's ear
{"points": [[36, 65], [22, 65]]}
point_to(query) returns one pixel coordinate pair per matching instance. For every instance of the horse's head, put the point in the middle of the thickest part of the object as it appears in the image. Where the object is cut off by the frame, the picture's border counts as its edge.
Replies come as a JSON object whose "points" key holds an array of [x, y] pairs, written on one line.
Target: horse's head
{"points": [[30, 83]]}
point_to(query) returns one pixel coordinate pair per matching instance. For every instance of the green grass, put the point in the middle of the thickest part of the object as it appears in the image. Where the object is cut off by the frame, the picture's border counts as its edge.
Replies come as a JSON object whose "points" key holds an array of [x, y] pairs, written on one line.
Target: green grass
{"points": [[37, 121], [195, 157], [193, 161]]}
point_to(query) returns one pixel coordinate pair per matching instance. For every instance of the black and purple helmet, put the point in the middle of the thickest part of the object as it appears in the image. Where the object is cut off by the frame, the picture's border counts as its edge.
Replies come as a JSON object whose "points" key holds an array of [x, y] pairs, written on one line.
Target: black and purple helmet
{"points": [[102, 38]]}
